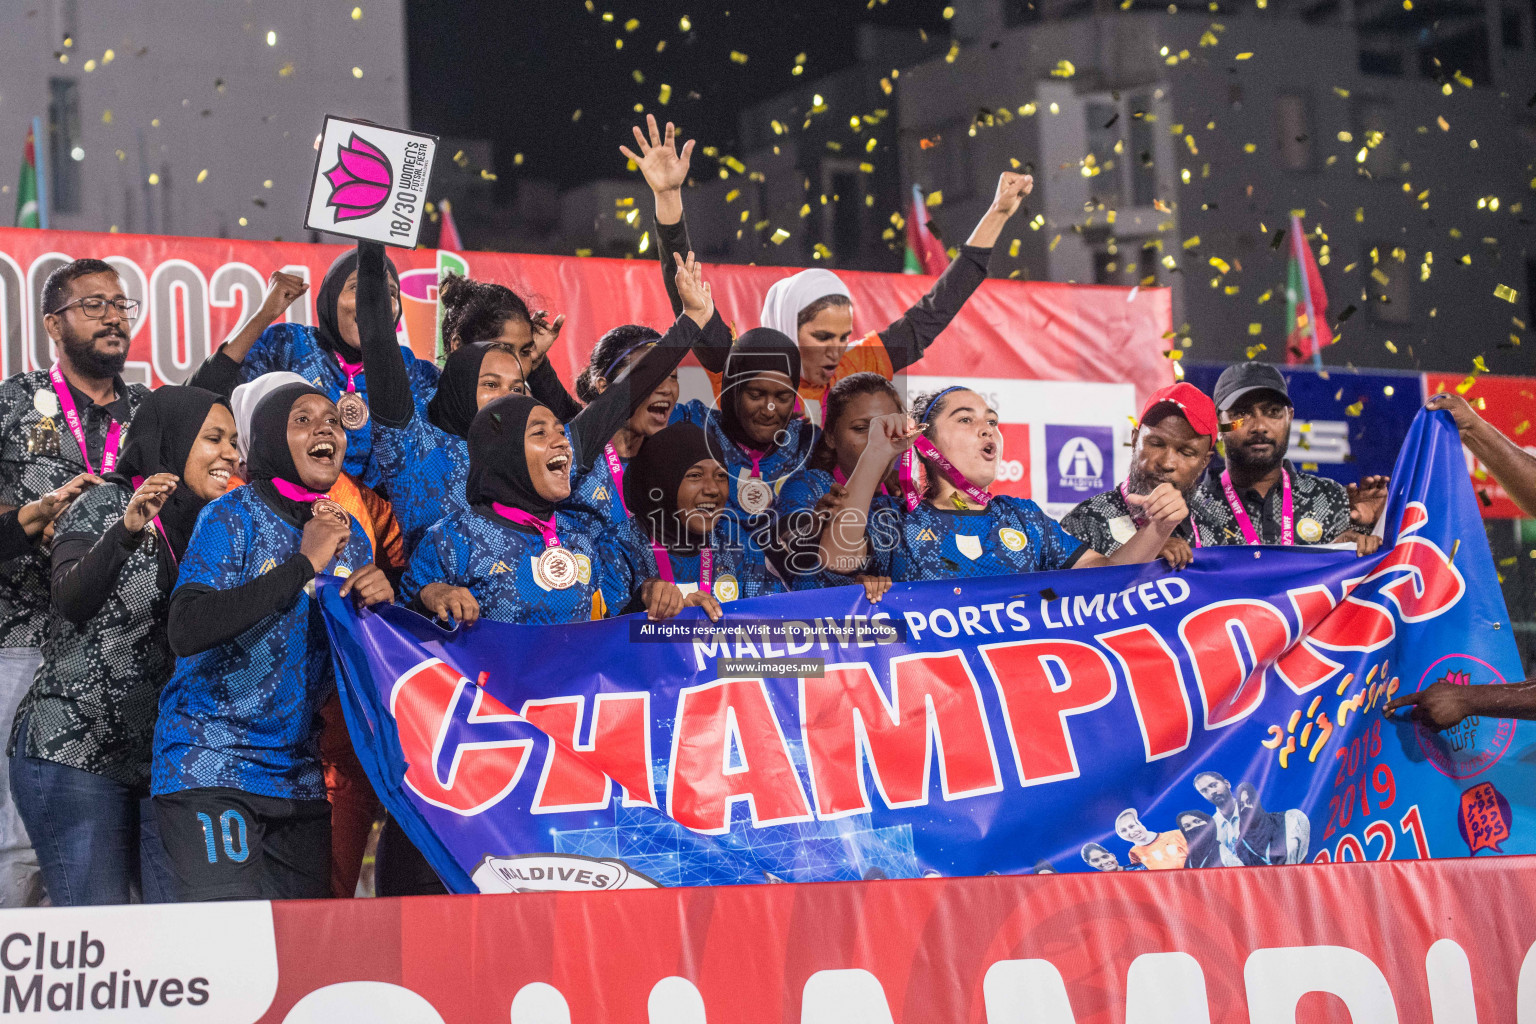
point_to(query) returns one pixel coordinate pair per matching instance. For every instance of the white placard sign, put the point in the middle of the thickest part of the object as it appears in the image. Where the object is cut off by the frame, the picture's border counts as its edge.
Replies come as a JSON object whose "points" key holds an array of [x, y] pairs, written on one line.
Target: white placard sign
{"points": [[371, 182]]}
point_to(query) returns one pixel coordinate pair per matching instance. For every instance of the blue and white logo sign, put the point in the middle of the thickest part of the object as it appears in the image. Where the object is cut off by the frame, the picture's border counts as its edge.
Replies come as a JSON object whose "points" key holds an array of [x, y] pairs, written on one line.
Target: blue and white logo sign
{"points": [[1079, 460]]}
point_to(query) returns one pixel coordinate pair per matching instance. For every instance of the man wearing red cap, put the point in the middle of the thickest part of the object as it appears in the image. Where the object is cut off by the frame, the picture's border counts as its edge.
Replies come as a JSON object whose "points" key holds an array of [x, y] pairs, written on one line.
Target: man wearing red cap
{"points": [[1171, 445]]}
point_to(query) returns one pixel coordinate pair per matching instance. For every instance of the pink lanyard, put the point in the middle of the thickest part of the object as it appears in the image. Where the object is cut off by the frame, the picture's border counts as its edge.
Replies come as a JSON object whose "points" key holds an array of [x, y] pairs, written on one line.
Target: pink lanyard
{"points": [[137, 483], [352, 370], [953, 475], [72, 418], [616, 470], [1250, 535], [706, 566], [757, 457], [546, 527], [294, 492], [1194, 531]]}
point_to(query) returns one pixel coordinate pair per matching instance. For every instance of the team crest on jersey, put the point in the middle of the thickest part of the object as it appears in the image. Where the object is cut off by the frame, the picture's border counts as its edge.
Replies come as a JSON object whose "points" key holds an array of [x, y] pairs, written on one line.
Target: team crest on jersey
{"points": [[968, 545], [1013, 540], [927, 535], [500, 567], [583, 569], [601, 494], [727, 588], [343, 571]]}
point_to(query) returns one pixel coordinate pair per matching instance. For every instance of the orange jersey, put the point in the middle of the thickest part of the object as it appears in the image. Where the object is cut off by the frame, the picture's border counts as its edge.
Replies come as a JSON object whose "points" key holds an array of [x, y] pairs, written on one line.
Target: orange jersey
{"points": [[1169, 850], [868, 355]]}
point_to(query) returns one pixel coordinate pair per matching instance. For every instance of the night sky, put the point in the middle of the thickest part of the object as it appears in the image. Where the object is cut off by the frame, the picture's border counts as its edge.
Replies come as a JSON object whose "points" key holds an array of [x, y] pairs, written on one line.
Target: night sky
{"points": [[515, 72]]}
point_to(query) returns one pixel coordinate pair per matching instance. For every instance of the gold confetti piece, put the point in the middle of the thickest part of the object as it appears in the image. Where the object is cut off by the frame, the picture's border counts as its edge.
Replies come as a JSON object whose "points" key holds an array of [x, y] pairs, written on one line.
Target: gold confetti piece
{"points": [[934, 198], [517, 159], [1064, 69], [1220, 264], [1184, 174], [630, 26], [108, 57], [1038, 222], [954, 51], [487, 175], [949, 12], [821, 252], [267, 183], [805, 210], [1479, 365], [1268, 294], [730, 196], [202, 175], [576, 116], [779, 236], [1522, 428], [1506, 293], [106, 117], [1380, 276], [1192, 241], [1013, 247], [665, 96], [271, 38], [1341, 93], [90, 66], [1054, 242], [357, 13], [154, 179], [1356, 409], [735, 165], [1245, 55], [685, 24], [243, 222], [286, 70], [357, 72], [738, 57]]}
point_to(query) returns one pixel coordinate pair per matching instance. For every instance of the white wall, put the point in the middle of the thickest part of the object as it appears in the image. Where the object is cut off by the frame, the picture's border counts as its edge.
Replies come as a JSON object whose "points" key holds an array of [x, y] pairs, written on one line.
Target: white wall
{"points": [[168, 57]]}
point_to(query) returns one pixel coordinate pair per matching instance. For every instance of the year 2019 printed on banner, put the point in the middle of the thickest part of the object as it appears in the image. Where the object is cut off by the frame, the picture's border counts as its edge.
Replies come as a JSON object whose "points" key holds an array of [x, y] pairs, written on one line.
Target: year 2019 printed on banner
{"points": [[371, 182]]}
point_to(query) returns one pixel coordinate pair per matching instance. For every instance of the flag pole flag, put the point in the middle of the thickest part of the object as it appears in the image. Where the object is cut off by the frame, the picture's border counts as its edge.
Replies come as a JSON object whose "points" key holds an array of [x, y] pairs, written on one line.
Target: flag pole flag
{"points": [[40, 156], [925, 253], [448, 231], [1304, 296], [26, 186]]}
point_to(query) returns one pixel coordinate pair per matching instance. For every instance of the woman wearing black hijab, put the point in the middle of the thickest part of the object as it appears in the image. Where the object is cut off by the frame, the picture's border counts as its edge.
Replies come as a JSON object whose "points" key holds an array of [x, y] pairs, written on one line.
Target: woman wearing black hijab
{"points": [[239, 791], [676, 489], [328, 355], [753, 431], [80, 751], [513, 555], [423, 460]]}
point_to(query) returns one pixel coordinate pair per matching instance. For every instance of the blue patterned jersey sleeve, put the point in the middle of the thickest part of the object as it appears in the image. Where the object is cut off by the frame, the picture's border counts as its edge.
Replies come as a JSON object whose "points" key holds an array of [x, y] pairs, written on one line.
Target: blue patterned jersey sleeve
{"points": [[423, 376], [803, 490], [433, 561], [1055, 545], [269, 353], [624, 564], [215, 555]]}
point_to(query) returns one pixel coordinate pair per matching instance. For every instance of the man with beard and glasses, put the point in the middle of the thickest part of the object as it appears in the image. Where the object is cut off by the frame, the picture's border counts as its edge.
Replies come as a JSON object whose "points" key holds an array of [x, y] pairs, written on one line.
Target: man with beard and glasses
{"points": [[1260, 498], [58, 426], [1172, 444]]}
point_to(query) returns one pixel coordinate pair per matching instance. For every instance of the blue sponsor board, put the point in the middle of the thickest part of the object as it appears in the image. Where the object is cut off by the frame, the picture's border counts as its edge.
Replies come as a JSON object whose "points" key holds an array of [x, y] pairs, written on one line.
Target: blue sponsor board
{"points": [[1348, 424], [1079, 462]]}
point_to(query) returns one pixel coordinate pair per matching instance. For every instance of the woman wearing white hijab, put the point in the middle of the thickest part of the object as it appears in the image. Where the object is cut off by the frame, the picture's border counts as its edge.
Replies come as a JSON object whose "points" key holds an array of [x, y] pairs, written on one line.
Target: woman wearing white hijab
{"points": [[814, 307]]}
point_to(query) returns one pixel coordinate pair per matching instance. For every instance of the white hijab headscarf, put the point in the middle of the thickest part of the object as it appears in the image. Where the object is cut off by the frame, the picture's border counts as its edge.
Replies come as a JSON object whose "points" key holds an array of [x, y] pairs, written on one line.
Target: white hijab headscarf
{"points": [[788, 296], [247, 397]]}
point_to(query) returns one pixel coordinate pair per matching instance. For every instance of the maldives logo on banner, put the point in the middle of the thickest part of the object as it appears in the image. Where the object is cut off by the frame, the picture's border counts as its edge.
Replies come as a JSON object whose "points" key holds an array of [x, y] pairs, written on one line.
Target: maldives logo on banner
{"points": [[1080, 461], [1121, 718], [371, 182]]}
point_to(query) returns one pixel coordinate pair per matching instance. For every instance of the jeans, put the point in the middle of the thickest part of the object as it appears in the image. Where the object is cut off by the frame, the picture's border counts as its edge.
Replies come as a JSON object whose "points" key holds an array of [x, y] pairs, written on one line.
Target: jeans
{"points": [[96, 839], [21, 884]]}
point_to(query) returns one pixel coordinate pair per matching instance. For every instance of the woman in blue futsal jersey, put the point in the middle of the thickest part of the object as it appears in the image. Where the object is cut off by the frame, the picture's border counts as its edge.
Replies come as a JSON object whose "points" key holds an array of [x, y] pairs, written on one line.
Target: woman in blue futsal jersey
{"points": [[513, 555], [239, 789], [852, 404], [597, 494], [328, 355], [960, 529], [424, 460], [81, 748], [676, 490]]}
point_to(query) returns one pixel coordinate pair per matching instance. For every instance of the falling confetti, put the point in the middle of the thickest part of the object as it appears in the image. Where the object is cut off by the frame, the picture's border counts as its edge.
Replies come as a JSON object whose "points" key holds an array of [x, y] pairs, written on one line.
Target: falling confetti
{"points": [[1506, 293]]}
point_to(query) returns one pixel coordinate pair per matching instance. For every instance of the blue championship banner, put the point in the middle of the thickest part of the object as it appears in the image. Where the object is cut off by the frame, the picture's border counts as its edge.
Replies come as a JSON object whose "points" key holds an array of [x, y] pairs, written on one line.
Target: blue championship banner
{"points": [[1101, 719]]}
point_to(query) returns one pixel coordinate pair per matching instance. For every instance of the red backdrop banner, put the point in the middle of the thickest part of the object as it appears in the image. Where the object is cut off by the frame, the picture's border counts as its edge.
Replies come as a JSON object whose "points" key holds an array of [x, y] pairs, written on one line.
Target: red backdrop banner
{"points": [[1509, 403], [197, 291], [1410, 941]]}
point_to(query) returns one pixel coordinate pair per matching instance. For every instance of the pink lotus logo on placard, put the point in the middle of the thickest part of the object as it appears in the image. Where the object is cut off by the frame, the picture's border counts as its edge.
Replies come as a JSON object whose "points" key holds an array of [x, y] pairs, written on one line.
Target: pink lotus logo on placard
{"points": [[361, 180]]}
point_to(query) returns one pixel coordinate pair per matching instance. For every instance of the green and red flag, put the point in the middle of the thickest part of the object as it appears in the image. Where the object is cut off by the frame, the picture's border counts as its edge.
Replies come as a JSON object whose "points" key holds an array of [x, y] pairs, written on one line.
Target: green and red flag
{"points": [[925, 253], [26, 187], [1306, 321]]}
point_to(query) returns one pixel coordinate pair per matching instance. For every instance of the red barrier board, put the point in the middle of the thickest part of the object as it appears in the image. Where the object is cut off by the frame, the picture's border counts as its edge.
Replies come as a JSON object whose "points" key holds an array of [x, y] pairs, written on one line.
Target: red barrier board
{"points": [[1509, 403], [197, 291], [1421, 942], [1250, 943]]}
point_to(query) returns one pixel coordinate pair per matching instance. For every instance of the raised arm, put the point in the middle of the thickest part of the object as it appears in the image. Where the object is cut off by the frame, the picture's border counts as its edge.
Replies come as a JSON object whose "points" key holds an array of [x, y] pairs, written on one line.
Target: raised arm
{"points": [[908, 338], [665, 168], [595, 425], [844, 540], [1512, 466], [389, 386], [220, 372]]}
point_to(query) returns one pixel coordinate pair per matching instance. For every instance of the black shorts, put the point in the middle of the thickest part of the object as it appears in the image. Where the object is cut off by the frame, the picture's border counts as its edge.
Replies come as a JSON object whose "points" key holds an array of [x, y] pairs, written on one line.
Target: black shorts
{"points": [[225, 844]]}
